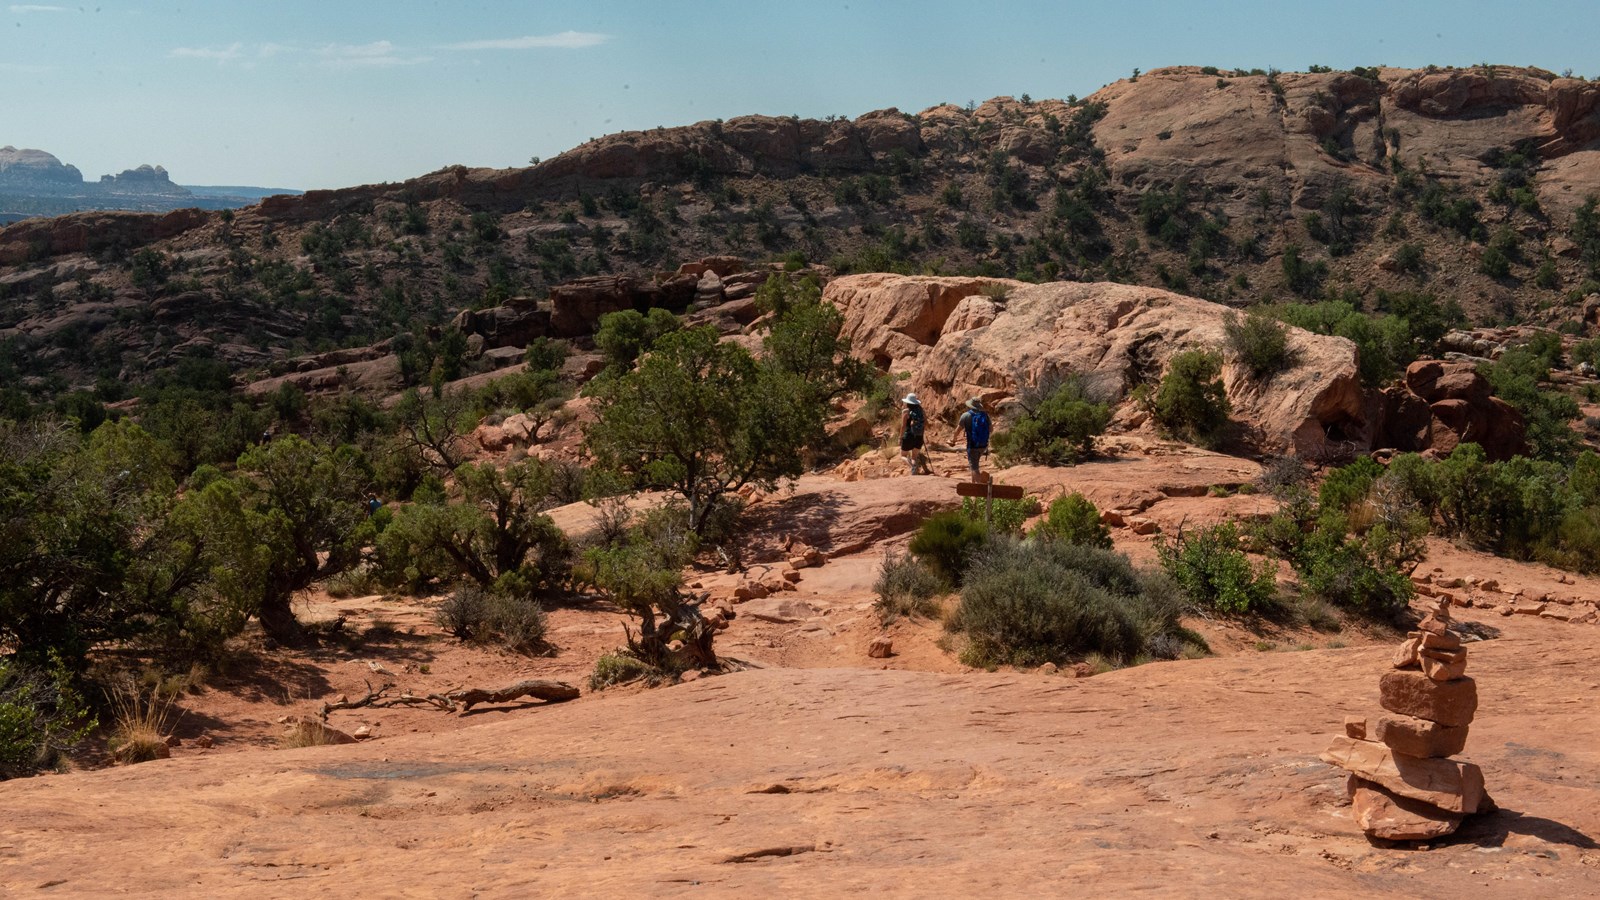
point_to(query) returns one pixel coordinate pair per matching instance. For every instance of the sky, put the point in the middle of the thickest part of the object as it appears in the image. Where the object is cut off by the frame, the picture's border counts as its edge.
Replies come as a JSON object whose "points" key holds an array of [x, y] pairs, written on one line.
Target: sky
{"points": [[334, 93]]}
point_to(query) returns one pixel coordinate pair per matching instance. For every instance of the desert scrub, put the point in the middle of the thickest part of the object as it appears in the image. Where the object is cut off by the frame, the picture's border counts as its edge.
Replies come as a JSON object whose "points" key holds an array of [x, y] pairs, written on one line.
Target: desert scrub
{"points": [[1211, 567], [1006, 516], [620, 668], [1259, 342], [906, 587], [1073, 520], [472, 613], [140, 723], [1191, 402], [1027, 603], [42, 718], [1057, 427], [946, 542]]}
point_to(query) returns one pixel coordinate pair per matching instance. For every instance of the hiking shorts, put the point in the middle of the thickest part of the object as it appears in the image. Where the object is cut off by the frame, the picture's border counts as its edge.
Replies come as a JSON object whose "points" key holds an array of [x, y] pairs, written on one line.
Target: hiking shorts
{"points": [[975, 455], [910, 442]]}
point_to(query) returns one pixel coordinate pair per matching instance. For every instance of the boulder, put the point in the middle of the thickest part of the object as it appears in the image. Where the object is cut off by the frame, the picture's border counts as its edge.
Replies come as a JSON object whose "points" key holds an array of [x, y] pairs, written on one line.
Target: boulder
{"points": [[1415, 694], [1442, 405], [1454, 787], [882, 647], [1383, 814], [1420, 737]]}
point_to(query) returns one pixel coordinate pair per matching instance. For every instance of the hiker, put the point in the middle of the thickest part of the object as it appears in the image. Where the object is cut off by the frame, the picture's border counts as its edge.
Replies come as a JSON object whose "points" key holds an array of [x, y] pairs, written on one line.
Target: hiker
{"points": [[373, 505], [911, 426], [974, 423]]}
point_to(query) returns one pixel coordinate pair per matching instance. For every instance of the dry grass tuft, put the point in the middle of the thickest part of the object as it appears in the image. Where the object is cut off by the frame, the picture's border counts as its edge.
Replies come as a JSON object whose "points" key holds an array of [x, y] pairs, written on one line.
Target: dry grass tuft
{"points": [[141, 723]]}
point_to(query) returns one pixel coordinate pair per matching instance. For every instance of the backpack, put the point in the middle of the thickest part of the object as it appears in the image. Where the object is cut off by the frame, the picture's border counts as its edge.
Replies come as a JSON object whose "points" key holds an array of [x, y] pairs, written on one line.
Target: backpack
{"points": [[914, 423], [978, 429]]}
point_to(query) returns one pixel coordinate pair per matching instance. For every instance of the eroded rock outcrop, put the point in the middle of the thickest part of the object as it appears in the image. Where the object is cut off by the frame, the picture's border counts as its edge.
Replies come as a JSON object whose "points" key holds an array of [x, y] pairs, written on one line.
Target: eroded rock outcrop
{"points": [[963, 337], [1443, 404]]}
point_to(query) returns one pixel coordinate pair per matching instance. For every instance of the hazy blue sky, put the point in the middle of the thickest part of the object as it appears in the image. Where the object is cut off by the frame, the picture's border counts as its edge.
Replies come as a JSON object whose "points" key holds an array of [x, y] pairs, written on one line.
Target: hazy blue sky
{"points": [[331, 93]]}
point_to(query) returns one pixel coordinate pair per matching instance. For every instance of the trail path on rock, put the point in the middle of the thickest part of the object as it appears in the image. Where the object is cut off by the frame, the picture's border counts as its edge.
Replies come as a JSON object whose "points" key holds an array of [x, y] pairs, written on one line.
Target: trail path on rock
{"points": [[1187, 778]]}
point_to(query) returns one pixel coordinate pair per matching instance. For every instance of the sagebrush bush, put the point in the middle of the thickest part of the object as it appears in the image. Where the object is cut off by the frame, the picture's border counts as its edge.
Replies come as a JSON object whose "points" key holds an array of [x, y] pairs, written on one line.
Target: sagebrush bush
{"points": [[1073, 520], [510, 618], [1259, 342], [1190, 401], [906, 587], [1057, 427], [1211, 567], [1027, 603], [946, 542]]}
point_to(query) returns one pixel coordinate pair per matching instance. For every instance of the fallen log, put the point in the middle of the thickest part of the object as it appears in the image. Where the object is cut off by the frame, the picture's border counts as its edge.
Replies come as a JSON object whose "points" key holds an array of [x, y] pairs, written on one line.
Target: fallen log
{"points": [[462, 699], [537, 688]]}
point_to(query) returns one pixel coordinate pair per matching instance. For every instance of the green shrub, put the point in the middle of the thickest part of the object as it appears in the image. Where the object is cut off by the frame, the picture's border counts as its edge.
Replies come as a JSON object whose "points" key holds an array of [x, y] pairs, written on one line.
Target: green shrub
{"points": [[1210, 565], [1517, 377], [906, 587], [1005, 516], [946, 542], [1073, 520], [1352, 573], [620, 668], [1057, 427], [629, 334], [1259, 342], [1347, 486], [1027, 603], [42, 717], [1191, 401]]}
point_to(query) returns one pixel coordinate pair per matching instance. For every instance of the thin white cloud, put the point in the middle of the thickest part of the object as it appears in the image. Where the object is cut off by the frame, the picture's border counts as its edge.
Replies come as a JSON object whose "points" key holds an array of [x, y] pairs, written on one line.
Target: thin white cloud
{"points": [[377, 54], [213, 54], [374, 55], [25, 68], [566, 40], [21, 8]]}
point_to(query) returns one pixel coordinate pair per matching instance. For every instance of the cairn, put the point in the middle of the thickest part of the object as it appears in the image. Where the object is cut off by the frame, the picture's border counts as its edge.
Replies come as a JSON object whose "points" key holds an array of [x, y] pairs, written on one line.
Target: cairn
{"points": [[1403, 785]]}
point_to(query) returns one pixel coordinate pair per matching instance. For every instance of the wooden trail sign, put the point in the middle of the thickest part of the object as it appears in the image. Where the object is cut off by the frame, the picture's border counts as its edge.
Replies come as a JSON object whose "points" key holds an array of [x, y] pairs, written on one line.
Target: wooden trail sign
{"points": [[990, 492]]}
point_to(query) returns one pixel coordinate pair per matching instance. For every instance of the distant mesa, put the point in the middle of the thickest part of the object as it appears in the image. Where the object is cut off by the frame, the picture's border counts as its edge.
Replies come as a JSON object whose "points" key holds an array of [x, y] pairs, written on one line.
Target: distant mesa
{"points": [[36, 183]]}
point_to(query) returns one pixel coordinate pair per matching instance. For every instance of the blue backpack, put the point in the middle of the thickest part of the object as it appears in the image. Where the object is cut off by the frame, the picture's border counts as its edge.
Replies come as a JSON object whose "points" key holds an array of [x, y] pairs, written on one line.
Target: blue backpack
{"points": [[978, 429], [914, 423]]}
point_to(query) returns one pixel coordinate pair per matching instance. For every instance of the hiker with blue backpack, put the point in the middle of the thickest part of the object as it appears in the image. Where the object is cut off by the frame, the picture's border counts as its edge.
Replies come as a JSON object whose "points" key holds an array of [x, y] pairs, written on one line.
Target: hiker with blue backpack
{"points": [[912, 421], [975, 424]]}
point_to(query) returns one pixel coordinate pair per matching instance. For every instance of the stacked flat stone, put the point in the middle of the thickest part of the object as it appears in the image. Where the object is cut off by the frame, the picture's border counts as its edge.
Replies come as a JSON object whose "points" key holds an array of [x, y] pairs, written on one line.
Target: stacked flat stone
{"points": [[1403, 785]]}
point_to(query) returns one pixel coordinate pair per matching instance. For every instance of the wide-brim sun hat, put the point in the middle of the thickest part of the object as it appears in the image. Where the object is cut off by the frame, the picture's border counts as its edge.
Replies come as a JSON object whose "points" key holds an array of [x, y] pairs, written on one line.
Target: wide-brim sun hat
{"points": [[912, 399], [975, 403]]}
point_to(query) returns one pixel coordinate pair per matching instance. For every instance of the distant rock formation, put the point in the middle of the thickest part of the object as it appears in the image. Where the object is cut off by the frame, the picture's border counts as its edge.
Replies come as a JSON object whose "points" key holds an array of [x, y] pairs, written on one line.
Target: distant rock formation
{"points": [[35, 169]]}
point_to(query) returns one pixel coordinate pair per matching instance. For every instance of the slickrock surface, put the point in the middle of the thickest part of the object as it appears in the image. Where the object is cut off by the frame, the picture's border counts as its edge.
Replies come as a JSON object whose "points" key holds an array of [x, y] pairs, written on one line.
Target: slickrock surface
{"points": [[1192, 778]]}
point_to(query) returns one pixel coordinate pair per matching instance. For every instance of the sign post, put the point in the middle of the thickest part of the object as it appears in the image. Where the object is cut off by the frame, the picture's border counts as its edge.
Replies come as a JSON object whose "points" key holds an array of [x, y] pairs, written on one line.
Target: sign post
{"points": [[989, 491]]}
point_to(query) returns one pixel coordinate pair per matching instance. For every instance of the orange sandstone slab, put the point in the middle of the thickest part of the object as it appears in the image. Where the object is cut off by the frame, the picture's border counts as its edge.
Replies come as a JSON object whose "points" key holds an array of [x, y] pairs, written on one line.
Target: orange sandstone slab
{"points": [[1452, 786], [1383, 814]]}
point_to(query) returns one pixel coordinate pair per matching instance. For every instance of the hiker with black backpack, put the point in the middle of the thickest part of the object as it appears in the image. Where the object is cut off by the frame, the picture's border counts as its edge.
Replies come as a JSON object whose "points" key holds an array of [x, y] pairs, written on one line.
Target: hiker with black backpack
{"points": [[974, 423], [912, 421]]}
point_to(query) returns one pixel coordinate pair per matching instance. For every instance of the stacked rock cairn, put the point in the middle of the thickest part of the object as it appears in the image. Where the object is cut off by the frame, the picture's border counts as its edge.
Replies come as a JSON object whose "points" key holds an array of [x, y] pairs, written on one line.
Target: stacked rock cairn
{"points": [[1403, 785]]}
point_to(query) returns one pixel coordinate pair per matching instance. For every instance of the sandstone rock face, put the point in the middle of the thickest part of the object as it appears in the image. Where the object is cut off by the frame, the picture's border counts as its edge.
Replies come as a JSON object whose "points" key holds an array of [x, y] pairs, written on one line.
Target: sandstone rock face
{"points": [[1459, 409], [956, 342], [511, 325]]}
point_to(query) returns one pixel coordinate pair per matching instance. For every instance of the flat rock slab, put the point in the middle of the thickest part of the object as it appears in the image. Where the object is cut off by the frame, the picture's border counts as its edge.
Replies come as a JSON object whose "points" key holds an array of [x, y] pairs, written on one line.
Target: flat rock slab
{"points": [[1415, 694], [782, 611], [1419, 737], [1386, 815], [1455, 787]]}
